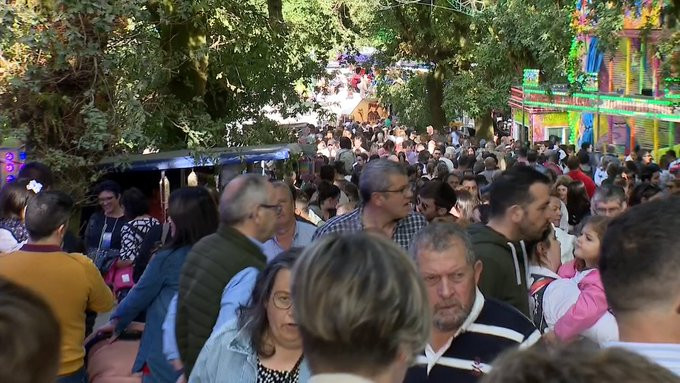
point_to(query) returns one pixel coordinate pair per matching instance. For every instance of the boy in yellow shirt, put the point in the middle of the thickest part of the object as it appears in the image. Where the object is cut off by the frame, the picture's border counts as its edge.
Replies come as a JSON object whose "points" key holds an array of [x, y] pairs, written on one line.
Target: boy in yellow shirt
{"points": [[69, 283]]}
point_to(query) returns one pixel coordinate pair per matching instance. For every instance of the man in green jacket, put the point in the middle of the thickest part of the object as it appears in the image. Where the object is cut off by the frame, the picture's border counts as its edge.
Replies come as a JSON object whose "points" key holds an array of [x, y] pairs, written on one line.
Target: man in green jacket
{"points": [[519, 199], [248, 216]]}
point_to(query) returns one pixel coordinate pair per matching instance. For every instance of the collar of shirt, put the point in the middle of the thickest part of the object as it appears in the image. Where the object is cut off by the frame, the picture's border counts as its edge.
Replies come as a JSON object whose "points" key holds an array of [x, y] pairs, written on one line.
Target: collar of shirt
{"points": [[337, 378], [257, 243], [666, 355], [542, 270], [33, 248], [432, 355]]}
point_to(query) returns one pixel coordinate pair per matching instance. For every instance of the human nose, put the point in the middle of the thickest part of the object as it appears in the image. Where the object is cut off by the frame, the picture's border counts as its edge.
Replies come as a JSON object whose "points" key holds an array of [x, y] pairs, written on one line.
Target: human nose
{"points": [[445, 288]]}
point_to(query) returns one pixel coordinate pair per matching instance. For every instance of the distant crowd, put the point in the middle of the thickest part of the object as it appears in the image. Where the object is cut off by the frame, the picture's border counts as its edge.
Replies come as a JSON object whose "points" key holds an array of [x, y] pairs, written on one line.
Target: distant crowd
{"points": [[398, 257]]}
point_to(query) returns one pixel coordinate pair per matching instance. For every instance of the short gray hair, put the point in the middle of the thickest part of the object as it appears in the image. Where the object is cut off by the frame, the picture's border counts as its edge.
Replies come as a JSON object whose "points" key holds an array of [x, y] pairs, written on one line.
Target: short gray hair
{"points": [[438, 237], [284, 186], [341, 285], [375, 177], [240, 195], [609, 193]]}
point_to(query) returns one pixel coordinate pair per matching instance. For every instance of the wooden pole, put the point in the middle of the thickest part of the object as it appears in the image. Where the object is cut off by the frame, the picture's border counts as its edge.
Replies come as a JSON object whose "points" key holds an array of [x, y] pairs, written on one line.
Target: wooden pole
{"points": [[631, 123], [656, 138], [643, 56], [629, 44]]}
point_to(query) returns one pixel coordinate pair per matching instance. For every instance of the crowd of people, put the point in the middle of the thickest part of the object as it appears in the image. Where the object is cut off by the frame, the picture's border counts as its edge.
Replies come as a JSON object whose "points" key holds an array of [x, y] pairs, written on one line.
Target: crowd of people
{"points": [[404, 257]]}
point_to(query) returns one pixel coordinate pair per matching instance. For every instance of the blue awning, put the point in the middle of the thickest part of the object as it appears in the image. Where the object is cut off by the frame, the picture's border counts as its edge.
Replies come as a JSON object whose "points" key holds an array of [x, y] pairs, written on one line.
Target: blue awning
{"points": [[185, 159]]}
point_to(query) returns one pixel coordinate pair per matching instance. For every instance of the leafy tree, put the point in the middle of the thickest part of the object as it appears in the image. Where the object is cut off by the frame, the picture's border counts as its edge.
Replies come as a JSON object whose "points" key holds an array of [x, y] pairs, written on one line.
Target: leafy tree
{"points": [[83, 79]]}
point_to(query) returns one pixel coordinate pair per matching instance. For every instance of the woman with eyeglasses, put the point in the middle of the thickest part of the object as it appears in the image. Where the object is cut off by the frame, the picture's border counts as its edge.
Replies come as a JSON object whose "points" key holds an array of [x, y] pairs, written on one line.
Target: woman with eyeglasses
{"points": [[263, 344], [103, 232]]}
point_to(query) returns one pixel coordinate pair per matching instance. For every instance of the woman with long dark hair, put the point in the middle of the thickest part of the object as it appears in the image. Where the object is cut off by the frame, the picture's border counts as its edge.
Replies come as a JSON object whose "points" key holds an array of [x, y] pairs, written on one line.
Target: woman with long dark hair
{"points": [[578, 205], [264, 344], [13, 200], [193, 215]]}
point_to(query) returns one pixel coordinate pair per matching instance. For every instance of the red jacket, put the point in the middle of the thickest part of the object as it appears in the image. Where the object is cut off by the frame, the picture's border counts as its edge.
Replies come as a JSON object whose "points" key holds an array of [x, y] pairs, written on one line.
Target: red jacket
{"points": [[578, 175]]}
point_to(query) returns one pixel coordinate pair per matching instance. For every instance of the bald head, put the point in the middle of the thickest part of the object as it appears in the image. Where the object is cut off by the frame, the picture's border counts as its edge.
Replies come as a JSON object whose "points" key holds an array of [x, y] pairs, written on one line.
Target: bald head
{"points": [[241, 196]]}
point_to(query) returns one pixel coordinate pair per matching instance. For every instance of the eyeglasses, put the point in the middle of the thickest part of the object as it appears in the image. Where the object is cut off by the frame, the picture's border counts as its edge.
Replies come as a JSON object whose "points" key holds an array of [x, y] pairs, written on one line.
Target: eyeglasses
{"points": [[282, 301], [277, 208], [406, 190]]}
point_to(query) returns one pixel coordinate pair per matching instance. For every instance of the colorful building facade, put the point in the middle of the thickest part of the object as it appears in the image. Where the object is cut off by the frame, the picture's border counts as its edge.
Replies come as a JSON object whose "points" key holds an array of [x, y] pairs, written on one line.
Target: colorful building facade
{"points": [[625, 101]]}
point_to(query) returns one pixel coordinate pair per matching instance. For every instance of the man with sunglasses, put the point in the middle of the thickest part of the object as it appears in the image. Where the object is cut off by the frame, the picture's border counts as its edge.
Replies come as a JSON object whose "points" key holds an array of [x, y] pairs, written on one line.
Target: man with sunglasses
{"points": [[435, 200], [386, 207]]}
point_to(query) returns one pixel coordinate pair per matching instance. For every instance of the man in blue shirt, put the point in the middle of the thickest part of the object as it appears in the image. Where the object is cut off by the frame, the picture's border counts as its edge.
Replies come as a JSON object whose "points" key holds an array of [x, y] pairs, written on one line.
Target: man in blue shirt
{"points": [[290, 232]]}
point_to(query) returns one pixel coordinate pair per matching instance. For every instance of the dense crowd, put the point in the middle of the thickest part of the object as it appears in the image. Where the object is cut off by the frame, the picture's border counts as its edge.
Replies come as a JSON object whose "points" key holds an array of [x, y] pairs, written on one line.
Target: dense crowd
{"points": [[401, 257]]}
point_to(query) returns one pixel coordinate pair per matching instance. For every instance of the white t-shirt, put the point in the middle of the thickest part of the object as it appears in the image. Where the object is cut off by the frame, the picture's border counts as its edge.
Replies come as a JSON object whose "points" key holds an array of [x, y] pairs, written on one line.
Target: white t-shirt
{"points": [[566, 241], [560, 295], [8, 243]]}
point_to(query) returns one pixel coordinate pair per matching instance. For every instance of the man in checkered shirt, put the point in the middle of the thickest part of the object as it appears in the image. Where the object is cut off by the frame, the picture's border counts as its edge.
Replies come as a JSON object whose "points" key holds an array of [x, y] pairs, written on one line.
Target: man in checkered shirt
{"points": [[386, 194]]}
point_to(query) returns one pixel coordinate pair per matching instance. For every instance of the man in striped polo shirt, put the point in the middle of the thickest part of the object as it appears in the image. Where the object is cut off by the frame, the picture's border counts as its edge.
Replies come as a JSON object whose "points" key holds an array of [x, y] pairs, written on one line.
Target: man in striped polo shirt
{"points": [[469, 330], [640, 264]]}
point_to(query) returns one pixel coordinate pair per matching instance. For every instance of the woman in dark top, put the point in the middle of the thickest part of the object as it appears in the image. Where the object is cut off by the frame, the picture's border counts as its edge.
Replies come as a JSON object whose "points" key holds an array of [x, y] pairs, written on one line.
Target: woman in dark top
{"points": [[103, 233], [578, 205], [13, 200]]}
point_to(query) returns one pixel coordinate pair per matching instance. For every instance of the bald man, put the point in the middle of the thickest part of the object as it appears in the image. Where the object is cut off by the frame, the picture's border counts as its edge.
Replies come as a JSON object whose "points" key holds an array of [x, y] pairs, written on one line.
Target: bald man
{"points": [[248, 216]]}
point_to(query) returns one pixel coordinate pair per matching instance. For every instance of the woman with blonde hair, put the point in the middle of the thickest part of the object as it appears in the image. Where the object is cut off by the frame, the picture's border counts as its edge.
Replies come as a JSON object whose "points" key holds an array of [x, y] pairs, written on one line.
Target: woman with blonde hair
{"points": [[348, 332], [464, 209]]}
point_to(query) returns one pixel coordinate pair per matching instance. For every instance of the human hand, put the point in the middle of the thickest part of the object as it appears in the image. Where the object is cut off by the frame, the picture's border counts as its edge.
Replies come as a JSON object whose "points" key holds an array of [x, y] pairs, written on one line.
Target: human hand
{"points": [[550, 338], [109, 327]]}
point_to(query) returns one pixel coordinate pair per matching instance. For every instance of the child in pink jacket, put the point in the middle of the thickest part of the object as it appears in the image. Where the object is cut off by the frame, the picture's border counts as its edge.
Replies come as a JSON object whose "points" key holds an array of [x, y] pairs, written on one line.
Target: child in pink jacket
{"points": [[592, 302]]}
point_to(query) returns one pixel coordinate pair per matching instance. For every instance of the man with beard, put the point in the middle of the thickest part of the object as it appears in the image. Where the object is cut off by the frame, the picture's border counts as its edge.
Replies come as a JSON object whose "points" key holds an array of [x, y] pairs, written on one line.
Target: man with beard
{"points": [[468, 329], [519, 201]]}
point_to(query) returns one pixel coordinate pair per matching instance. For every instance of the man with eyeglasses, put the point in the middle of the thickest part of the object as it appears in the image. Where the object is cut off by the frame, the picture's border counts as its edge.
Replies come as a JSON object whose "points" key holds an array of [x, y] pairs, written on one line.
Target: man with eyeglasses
{"points": [[386, 207], [248, 217]]}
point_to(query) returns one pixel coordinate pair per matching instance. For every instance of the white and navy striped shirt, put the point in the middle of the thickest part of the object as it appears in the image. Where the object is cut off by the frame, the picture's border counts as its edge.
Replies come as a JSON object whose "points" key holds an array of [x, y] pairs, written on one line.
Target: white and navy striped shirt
{"points": [[664, 354], [491, 328]]}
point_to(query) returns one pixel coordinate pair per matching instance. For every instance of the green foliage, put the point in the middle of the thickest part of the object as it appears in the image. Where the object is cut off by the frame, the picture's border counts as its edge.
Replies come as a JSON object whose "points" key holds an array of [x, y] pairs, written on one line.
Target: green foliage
{"points": [[480, 57], [84, 79], [409, 99]]}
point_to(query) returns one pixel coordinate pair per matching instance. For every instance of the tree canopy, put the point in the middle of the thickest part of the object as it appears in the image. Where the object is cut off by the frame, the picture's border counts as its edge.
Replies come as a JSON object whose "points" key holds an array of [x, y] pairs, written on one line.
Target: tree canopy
{"points": [[83, 79]]}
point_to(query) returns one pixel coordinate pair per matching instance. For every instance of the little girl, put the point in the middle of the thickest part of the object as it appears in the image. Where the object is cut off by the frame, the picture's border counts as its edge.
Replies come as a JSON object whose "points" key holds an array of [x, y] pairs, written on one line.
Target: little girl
{"points": [[592, 302]]}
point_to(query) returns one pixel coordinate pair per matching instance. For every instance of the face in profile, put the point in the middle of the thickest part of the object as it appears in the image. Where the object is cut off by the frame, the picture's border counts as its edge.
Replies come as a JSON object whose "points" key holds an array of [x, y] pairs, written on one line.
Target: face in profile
{"points": [[587, 246], [534, 218], [398, 198], [555, 211], [451, 284]]}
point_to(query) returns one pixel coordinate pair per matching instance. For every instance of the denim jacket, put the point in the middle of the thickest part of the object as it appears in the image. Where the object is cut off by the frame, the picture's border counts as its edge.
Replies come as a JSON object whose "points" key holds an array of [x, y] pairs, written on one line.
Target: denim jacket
{"points": [[153, 293], [228, 357]]}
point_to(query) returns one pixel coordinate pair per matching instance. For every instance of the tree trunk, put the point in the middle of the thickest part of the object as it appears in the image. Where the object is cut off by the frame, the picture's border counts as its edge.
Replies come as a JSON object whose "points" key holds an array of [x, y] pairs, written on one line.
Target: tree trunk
{"points": [[275, 10], [434, 84], [484, 126], [181, 41]]}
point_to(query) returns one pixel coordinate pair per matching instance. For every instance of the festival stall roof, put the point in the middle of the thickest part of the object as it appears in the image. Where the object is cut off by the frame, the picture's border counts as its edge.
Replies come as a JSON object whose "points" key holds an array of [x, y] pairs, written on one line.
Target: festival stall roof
{"points": [[184, 159]]}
